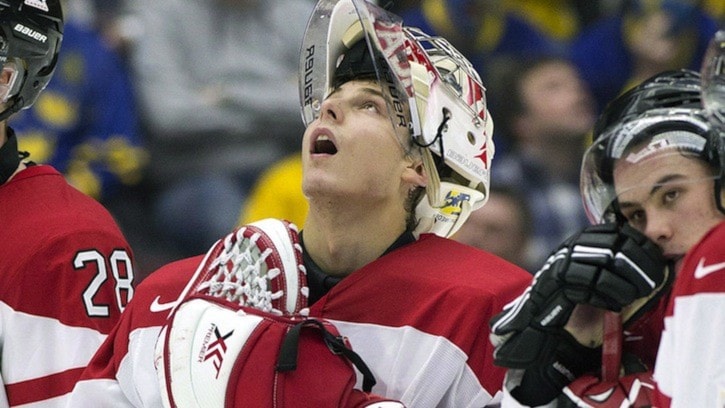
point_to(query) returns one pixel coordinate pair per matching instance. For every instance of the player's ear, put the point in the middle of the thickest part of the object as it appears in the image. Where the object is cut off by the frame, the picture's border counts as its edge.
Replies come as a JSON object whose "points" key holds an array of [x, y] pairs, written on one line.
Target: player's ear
{"points": [[415, 174]]}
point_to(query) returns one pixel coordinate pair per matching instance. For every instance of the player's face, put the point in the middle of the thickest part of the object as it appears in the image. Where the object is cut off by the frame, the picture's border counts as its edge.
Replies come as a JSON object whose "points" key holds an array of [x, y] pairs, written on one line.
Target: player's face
{"points": [[352, 151], [557, 102], [669, 197]]}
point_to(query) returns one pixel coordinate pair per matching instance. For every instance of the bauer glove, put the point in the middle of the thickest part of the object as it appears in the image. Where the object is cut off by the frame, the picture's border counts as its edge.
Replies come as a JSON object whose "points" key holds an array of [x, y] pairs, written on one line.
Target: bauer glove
{"points": [[605, 266]]}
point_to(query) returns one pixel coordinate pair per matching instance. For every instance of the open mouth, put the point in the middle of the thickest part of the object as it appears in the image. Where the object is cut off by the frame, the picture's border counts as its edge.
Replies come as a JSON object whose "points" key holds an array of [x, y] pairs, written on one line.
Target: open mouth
{"points": [[323, 145]]}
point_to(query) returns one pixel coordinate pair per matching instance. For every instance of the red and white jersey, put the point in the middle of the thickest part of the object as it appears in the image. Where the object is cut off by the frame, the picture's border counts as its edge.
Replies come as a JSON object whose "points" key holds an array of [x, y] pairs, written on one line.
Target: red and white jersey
{"points": [[65, 275], [122, 373], [418, 317], [690, 369]]}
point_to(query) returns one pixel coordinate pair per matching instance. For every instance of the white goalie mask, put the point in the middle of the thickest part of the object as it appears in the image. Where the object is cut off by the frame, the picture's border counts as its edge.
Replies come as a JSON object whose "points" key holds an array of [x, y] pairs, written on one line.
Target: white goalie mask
{"points": [[437, 95]]}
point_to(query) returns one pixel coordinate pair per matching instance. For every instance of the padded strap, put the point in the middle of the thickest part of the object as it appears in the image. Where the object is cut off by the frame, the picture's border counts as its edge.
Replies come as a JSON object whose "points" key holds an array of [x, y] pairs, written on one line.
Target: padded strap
{"points": [[287, 360]]}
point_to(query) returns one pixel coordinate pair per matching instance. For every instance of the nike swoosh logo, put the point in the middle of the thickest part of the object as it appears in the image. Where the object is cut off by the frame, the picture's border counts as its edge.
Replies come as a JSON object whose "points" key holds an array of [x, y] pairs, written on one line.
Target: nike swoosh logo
{"points": [[156, 306], [701, 270]]}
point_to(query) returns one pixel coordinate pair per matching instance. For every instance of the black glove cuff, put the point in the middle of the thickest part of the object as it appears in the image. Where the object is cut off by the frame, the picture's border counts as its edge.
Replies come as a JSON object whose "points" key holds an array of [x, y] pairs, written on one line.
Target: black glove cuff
{"points": [[541, 383]]}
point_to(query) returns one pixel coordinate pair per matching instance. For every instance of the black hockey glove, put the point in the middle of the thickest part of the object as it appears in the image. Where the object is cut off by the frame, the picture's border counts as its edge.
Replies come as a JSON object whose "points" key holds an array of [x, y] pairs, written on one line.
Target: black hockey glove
{"points": [[604, 266], [559, 360]]}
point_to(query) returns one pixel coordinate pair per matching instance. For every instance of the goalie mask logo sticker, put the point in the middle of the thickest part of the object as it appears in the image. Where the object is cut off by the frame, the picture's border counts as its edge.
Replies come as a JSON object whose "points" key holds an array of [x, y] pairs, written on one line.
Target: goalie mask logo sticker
{"points": [[454, 201], [39, 4]]}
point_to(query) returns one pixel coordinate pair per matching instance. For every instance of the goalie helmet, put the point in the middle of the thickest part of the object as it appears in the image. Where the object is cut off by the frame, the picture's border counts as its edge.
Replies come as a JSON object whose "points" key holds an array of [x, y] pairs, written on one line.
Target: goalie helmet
{"points": [[662, 115], [436, 95], [30, 36]]}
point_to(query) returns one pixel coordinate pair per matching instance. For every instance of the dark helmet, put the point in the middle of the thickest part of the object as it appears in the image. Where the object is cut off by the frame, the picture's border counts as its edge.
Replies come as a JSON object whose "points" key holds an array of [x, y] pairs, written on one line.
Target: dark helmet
{"points": [[30, 35], [663, 113]]}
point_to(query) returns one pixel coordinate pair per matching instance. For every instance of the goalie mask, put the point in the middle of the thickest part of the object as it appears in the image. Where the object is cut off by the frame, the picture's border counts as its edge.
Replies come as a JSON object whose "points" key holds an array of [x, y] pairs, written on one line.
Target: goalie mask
{"points": [[436, 95], [661, 117], [30, 35]]}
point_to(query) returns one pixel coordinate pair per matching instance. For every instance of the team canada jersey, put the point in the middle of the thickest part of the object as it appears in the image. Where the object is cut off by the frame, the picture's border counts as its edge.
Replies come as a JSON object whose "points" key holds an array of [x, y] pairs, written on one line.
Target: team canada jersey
{"points": [[122, 373], [65, 275], [418, 316], [690, 369]]}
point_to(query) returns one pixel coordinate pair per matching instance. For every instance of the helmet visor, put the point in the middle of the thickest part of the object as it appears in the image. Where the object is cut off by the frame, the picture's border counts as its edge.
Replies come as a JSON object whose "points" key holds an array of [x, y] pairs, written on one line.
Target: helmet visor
{"points": [[647, 147]]}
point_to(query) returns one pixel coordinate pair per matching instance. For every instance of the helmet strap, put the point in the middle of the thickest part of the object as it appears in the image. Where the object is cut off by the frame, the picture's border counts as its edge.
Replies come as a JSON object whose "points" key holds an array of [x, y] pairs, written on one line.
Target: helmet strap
{"points": [[13, 108], [718, 194], [9, 157]]}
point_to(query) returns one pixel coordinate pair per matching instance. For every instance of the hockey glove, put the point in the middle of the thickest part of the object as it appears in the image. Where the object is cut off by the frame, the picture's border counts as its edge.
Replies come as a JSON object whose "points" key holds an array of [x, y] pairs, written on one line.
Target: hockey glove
{"points": [[241, 336], [258, 265], [604, 266]]}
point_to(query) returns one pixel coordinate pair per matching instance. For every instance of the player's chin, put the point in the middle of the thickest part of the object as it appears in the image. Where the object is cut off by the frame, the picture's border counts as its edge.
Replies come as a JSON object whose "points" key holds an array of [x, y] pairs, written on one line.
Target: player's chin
{"points": [[315, 184]]}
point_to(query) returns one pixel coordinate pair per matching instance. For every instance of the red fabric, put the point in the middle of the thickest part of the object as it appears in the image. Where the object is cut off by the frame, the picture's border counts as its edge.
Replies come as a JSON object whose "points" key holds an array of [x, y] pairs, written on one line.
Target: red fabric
{"points": [[65, 264], [634, 390], [164, 287], [46, 223], [42, 388], [321, 379], [438, 286]]}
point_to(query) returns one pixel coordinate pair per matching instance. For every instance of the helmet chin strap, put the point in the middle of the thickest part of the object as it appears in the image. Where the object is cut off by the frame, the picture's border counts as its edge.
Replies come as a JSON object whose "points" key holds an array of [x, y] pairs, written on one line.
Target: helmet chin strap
{"points": [[13, 108], [9, 157]]}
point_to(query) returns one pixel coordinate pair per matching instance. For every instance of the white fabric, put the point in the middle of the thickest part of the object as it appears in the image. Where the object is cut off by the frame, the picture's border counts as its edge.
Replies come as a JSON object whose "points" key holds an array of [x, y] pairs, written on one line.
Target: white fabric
{"points": [[680, 370], [19, 352], [424, 355]]}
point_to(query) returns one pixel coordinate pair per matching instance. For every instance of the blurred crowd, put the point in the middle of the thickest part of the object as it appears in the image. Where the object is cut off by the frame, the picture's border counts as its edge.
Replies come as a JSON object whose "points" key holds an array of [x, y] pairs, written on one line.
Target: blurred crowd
{"points": [[182, 116]]}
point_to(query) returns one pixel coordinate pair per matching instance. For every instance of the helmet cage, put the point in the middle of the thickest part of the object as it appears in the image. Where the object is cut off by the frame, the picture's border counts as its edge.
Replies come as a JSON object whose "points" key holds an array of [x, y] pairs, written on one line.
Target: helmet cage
{"points": [[436, 95]]}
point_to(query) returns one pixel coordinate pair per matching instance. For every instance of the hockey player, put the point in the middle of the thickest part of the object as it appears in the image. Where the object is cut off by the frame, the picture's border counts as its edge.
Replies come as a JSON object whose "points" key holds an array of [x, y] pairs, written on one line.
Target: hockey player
{"points": [[65, 267], [655, 169], [398, 145], [690, 368]]}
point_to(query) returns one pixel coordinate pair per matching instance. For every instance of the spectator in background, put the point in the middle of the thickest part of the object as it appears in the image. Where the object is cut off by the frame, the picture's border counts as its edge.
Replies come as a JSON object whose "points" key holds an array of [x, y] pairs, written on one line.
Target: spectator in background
{"points": [[716, 9], [647, 37], [218, 106], [502, 227], [546, 111], [558, 19], [110, 16], [85, 122], [482, 30]]}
